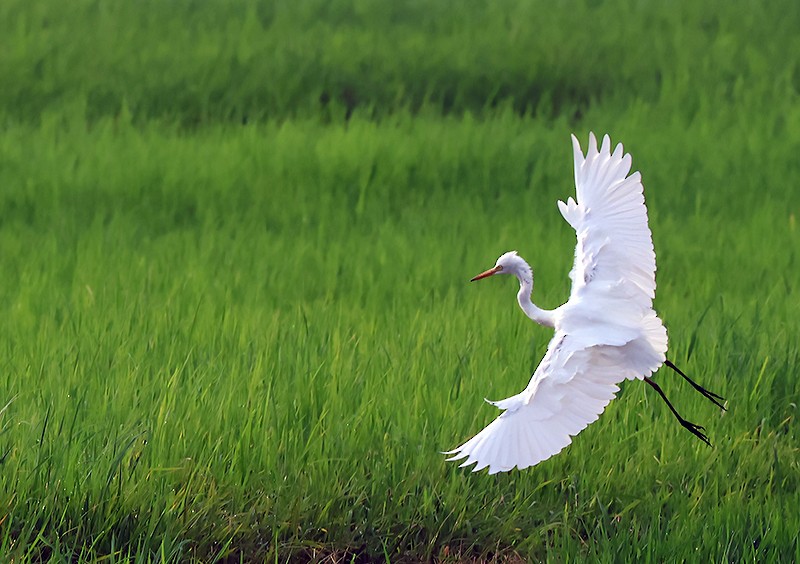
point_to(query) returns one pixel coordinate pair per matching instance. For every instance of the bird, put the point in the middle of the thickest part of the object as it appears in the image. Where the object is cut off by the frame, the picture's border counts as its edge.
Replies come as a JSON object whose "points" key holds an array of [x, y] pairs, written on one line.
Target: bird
{"points": [[607, 331]]}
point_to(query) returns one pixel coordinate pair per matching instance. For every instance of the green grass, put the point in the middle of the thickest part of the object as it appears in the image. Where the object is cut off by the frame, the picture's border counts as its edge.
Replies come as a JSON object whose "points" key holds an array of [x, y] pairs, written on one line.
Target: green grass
{"points": [[225, 341]]}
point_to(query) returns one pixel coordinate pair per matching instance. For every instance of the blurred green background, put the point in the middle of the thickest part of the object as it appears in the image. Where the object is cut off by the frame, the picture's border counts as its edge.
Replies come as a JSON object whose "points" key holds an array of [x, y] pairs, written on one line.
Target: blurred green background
{"points": [[234, 244]]}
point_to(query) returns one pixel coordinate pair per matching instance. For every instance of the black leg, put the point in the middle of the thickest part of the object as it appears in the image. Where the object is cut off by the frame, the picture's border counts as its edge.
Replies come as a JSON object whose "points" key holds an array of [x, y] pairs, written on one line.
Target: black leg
{"points": [[696, 430], [710, 395]]}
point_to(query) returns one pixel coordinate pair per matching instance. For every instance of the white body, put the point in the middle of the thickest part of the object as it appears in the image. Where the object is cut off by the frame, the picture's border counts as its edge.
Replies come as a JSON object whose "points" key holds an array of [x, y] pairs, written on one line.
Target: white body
{"points": [[606, 332]]}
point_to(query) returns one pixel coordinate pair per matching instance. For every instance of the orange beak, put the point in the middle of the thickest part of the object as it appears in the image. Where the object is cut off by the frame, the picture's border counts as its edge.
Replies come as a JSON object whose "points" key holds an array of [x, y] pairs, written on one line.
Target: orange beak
{"points": [[488, 273]]}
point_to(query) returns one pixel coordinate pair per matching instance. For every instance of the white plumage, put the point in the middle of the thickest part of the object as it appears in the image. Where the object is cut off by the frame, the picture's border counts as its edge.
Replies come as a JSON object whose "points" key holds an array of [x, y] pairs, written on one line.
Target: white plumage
{"points": [[606, 332]]}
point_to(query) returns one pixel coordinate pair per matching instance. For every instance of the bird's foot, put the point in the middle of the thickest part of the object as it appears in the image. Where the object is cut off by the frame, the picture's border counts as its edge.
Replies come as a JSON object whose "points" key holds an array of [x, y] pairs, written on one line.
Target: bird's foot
{"points": [[712, 396], [708, 394], [696, 430]]}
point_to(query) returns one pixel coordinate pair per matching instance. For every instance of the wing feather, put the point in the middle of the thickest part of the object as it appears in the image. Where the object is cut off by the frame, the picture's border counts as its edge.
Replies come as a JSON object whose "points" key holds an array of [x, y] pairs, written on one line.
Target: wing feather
{"points": [[570, 389], [610, 220]]}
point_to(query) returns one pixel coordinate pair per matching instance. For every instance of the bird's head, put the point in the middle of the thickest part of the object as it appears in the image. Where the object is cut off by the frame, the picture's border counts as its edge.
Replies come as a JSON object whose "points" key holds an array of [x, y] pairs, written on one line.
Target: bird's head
{"points": [[509, 263]]}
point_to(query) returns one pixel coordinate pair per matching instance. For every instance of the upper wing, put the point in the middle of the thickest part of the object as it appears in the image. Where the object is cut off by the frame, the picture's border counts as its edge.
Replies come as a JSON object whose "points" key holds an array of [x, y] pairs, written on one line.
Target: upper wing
{"points": [[569, 390], [610, 220]]}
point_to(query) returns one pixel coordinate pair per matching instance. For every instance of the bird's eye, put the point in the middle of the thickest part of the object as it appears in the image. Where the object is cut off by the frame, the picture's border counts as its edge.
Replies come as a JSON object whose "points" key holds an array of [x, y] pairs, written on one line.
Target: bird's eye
{"points": [[499, 267]]}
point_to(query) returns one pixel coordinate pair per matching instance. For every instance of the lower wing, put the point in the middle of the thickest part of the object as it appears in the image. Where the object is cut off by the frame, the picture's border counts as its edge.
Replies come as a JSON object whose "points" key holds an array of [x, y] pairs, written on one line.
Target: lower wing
{"points": [[569, 390]]}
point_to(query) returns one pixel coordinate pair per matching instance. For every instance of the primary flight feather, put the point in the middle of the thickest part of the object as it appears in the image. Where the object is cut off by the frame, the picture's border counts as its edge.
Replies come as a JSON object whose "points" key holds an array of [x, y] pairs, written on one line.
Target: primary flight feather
{"points": [[607, 331]]}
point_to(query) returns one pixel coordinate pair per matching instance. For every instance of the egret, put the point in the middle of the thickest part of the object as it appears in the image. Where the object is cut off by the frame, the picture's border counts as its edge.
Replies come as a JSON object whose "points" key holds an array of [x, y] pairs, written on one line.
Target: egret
{"points": [[605, 333]]}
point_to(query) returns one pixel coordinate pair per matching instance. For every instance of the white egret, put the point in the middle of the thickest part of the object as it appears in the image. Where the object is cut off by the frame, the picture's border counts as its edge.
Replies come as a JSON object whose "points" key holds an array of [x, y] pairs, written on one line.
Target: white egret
{"points": [[605, 333]]}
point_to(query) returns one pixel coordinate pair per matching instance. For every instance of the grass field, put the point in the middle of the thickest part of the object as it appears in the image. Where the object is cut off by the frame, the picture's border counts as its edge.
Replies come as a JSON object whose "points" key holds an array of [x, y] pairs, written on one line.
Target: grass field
{"points": [[235, 241]]}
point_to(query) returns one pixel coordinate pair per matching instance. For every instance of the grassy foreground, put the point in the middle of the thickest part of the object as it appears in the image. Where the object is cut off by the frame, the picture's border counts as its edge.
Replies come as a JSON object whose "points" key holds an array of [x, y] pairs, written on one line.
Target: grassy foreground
{"points": [[249, 342]]}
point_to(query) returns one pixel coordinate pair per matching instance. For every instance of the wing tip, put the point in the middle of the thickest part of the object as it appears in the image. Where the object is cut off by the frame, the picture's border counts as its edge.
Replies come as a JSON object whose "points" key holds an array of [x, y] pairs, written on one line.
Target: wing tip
{"points": [[606, 146]]}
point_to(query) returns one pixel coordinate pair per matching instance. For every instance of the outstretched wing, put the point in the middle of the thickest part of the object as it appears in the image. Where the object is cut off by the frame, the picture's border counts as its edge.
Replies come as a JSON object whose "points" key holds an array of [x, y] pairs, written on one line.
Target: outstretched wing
{"points": [[569, 390], [610, 220]]}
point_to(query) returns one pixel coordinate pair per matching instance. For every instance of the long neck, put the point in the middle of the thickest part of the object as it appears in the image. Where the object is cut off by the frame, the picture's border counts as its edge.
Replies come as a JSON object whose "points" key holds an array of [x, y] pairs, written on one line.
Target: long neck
{"points": [[541, 316]]}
